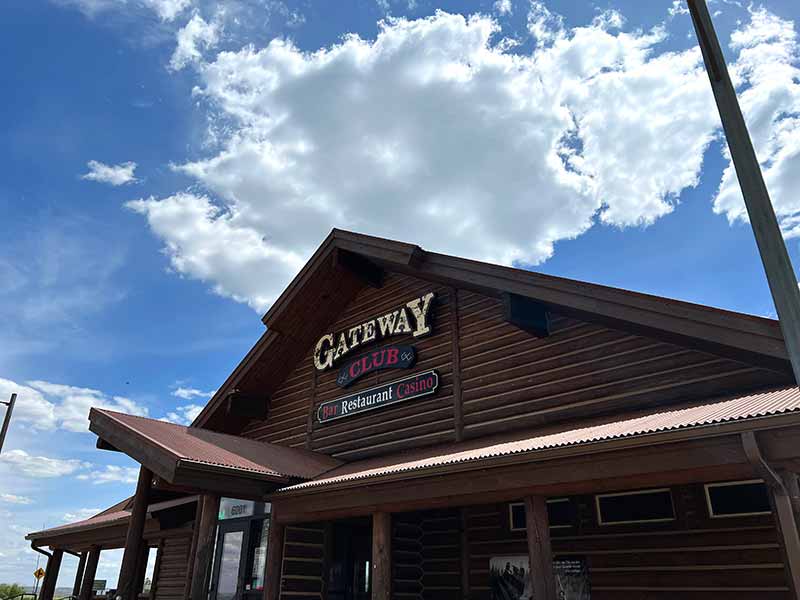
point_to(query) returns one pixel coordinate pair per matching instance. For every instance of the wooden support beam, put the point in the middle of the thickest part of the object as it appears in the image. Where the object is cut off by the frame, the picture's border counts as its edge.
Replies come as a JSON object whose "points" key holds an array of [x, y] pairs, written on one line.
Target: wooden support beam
{"points": [[141, 568], [455, 351], [126, 587], [76, 587], [363, 268], [272, 577], [157, 569], [381, 556], [540, 554], [187, 588], [205, 547], [782, 509], [529, 315], [92, 558], [51, 575]]}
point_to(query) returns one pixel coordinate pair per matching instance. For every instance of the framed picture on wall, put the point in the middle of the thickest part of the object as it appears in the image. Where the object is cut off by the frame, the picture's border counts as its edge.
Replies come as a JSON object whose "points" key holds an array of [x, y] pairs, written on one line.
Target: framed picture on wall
{"points": [[509, 578]]}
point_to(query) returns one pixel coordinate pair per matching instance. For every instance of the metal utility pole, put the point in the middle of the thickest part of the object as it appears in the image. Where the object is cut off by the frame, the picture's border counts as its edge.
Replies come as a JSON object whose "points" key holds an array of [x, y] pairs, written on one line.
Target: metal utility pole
{"points": [[777, 264], [7, 419]]}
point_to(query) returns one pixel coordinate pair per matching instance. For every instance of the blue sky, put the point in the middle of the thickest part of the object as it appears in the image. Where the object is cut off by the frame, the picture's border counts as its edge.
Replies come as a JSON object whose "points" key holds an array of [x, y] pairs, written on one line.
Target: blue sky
{"points": [[169, 164]]}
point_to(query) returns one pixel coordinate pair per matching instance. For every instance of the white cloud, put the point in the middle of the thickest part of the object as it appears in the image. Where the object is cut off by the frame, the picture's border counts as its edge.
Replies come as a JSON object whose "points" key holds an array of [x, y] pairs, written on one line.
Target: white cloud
{"points": [[187, 393], [47, 406], [112, 174], [14, 499], [435, 133], [183, 415], [167, 10], [503, 7], [80, 514], [111, 474], [195, 36], [679, 7], [767, 75], [39, 467]]}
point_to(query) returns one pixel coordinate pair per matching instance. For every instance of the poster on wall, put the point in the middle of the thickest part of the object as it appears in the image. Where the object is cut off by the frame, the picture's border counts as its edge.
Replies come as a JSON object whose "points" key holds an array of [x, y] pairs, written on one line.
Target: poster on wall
{"points": [[509, 578]]}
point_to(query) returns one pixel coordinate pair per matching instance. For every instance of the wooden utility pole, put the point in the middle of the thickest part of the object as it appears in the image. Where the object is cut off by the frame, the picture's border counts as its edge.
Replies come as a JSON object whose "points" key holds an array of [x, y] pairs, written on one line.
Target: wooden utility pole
{"points": [[7, 419], [777, 264]]}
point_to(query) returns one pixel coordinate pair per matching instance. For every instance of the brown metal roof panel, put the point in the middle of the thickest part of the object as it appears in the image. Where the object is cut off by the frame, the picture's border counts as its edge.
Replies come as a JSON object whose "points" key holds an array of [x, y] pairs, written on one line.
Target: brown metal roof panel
{"points": [[750, 406], [196, 446]]}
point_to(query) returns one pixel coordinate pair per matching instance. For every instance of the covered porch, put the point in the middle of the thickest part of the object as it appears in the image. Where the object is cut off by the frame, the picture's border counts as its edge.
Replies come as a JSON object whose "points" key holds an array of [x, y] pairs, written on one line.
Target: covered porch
{"points": [[634, 506]]}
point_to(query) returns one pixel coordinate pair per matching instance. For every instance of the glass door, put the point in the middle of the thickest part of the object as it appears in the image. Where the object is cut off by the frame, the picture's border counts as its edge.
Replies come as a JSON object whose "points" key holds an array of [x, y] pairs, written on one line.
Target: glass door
{"points": [[228, 561]]}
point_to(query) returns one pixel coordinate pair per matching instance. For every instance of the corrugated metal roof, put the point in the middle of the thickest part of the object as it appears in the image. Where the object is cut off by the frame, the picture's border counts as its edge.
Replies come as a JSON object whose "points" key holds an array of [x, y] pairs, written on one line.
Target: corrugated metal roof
{"points": [[114, 515], [751, 406], [205, 447]]}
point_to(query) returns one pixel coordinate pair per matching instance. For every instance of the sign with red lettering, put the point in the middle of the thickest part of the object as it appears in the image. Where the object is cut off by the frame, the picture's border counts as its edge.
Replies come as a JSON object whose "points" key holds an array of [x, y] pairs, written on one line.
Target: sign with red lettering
{"points": [[388, 357], [408, 388]]}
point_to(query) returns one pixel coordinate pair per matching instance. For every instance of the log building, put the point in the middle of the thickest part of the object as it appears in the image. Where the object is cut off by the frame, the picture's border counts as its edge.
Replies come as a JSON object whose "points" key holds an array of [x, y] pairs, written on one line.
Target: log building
{"points": [[415, 426]]}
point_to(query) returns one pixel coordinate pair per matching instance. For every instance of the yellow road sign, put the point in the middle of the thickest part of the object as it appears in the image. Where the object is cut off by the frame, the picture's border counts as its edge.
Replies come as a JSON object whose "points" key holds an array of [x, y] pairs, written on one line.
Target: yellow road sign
{"points": [[38, 573]]}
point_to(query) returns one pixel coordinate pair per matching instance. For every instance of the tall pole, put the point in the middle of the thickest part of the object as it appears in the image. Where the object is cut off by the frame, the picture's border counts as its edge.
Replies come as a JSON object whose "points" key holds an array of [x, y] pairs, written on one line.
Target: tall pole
{"points": [[7, 419], [777, 265]]}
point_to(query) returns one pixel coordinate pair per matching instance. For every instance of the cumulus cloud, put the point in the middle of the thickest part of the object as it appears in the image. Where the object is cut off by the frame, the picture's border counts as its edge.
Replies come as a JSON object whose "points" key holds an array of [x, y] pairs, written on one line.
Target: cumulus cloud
{"points": [[187, 393], [436, 133], [80, 514], [39, 467], [111, 474], [112, 174], [48, 406], [197, 35], [503, 7], [167, 10], [767, 75], [183, 415], [14, 499]]}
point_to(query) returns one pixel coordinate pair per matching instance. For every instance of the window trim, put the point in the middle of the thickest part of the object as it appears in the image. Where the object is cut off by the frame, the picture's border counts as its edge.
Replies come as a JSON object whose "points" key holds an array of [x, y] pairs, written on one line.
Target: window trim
{"points": [[710, 508], [633, 521], [522, 504]]}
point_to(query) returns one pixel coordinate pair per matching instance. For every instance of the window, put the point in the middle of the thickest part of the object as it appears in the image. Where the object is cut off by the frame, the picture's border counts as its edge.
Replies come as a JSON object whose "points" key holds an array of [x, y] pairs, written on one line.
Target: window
{"points": [[737, 499], [644, 506], [559, 514]]}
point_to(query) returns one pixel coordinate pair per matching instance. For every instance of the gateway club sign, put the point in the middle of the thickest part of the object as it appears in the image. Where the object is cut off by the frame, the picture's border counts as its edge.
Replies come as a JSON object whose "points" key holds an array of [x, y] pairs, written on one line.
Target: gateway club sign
{"points": [[400, 390], [412, 318], [388, 357]]}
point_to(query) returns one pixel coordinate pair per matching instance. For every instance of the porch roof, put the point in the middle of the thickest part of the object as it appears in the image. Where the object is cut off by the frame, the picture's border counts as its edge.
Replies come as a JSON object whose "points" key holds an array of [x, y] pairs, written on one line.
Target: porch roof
{"points": [[115, 515], [696, 419], [207, 460]]}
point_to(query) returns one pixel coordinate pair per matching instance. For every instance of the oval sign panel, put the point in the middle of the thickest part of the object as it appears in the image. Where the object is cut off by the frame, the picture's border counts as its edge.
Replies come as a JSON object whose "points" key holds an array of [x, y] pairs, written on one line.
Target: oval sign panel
{"points": [[388, 357], [408, 388]]}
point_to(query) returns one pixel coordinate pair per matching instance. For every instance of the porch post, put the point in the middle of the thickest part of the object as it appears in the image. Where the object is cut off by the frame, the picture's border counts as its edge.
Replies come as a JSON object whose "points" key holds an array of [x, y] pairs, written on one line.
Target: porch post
{"points": [[272, 577], [76, 587], [198, 511], [51, 575], [540, 553], [381, 556], [89, 572], [126, 587], [201, 571], [141, 568]]}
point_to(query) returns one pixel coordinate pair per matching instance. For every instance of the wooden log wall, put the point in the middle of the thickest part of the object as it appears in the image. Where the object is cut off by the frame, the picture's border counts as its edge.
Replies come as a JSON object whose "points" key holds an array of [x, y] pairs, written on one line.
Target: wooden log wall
{"points": [[303, 566], [511, 379], [693, 557], [169, 579], [508, 378], [426, 555]]}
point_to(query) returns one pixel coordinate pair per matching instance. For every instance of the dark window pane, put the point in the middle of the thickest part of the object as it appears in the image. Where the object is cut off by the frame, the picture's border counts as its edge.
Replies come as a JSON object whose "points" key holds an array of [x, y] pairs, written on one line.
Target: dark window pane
{"points": [[738, 499], [646, 506], [517, 516], [560, 513]]}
